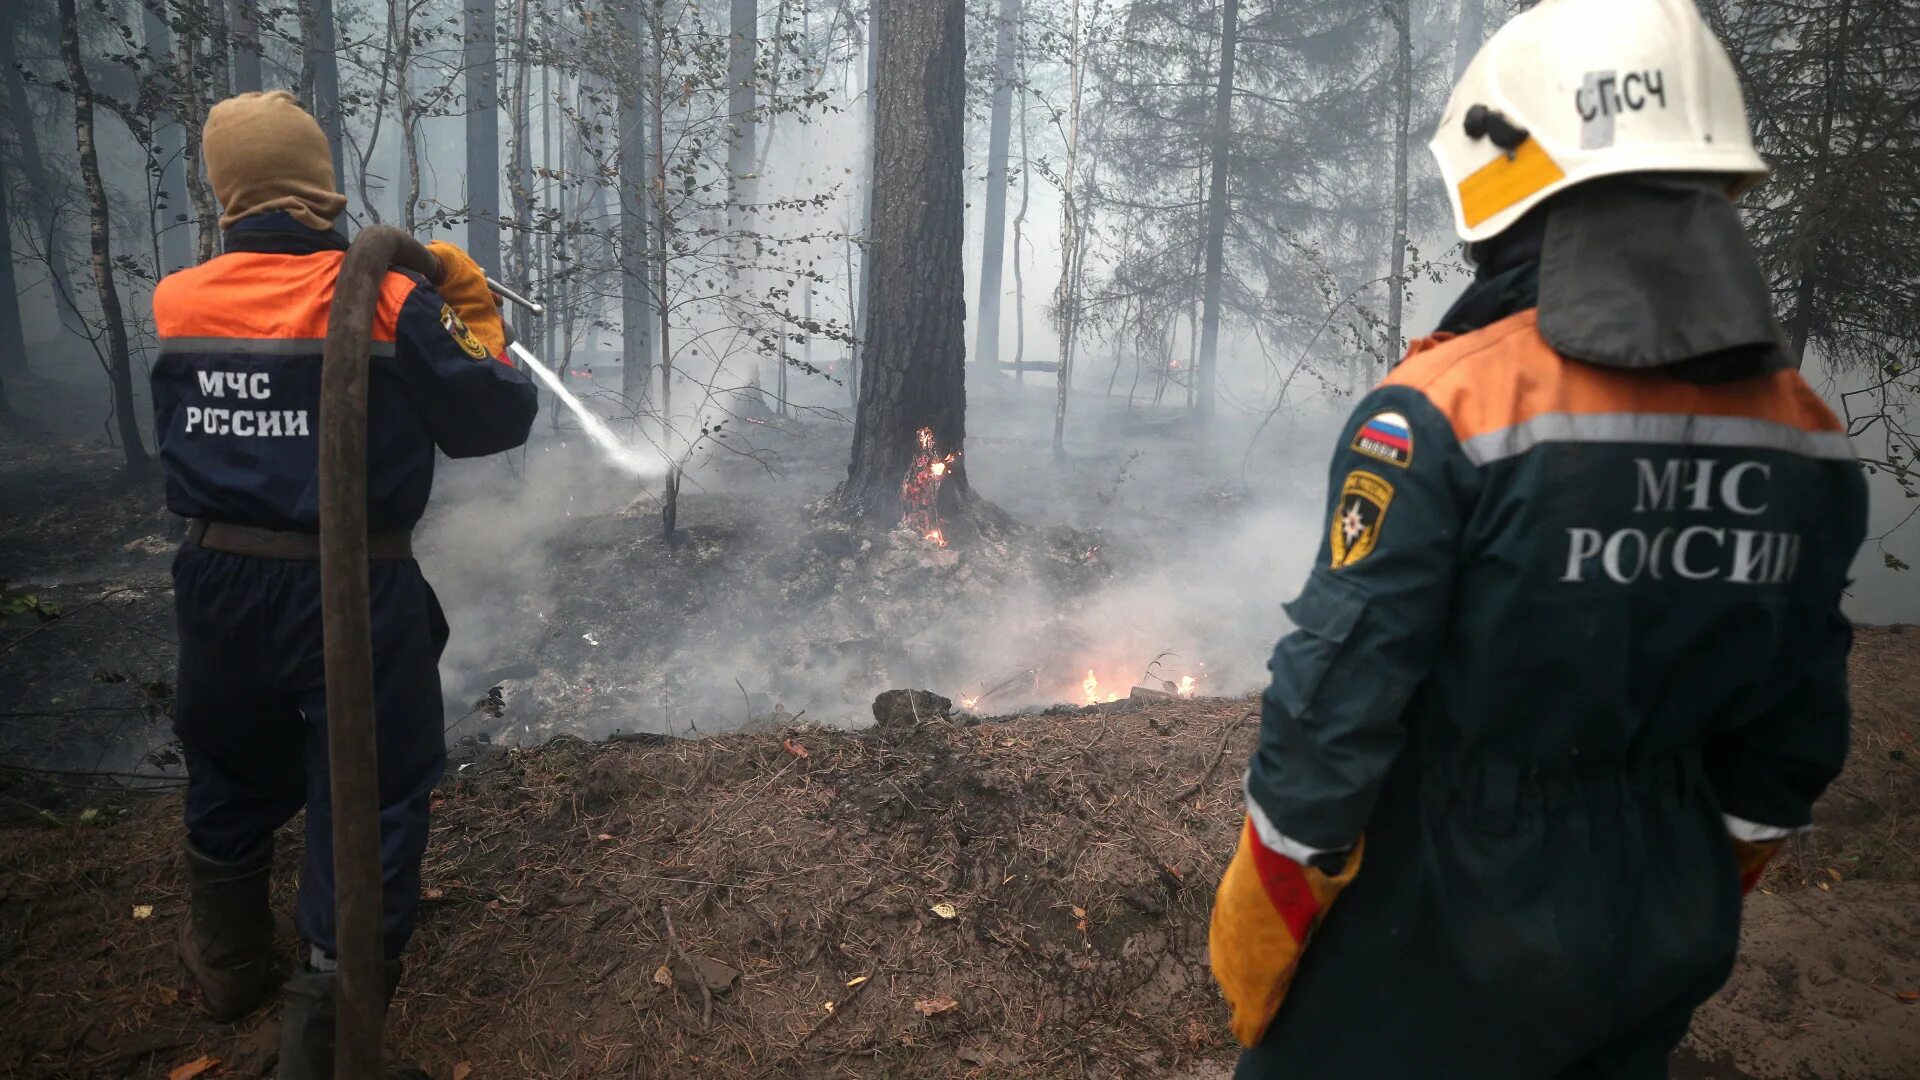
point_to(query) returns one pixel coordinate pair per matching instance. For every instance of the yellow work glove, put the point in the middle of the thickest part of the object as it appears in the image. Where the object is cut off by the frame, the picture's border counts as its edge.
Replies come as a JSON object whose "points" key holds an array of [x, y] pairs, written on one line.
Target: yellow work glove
{"points": [[475, 315], [1267, 908], [1752, 859]]}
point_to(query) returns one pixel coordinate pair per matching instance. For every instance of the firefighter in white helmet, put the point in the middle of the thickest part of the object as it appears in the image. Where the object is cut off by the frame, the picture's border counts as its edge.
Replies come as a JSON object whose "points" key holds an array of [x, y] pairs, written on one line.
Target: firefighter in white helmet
{"points": [[1571, 661]]}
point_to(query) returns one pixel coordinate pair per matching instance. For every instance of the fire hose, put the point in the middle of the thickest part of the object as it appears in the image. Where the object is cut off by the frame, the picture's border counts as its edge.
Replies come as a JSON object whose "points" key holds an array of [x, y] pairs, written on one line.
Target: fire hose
{"points": [[347, 636]]}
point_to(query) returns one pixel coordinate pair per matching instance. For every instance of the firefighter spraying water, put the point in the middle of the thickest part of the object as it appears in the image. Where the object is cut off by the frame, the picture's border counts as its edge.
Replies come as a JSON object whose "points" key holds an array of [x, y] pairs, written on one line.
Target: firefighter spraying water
{"points": [[282, 526]]}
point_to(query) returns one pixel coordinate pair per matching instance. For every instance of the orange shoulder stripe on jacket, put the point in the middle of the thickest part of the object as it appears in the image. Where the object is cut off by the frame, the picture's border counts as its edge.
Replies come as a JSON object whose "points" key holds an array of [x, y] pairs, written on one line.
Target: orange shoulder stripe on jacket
{"points": [[256, 296], [1506, 375]]}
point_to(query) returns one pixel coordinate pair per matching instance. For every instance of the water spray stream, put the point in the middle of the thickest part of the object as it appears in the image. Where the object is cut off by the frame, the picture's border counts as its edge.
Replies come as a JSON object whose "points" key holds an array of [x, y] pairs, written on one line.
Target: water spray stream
{"points": [[618, 453]]}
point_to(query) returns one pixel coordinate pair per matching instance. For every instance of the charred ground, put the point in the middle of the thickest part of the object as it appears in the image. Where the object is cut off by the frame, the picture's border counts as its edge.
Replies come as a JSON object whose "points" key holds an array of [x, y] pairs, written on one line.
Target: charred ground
{"points": [[1020, 896], [1015, 897]]}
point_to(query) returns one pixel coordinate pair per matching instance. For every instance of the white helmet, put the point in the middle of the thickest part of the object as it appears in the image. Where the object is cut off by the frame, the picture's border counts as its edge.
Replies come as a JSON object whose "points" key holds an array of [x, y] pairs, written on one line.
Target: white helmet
{"points": [[1570, 90]]}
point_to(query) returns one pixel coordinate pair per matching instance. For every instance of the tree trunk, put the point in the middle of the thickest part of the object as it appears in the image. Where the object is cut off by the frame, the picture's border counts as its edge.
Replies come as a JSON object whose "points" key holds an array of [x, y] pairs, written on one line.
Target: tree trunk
{"points": [[864, 176], [636, 314], [1220, 160], [40, 184], [549, 348], [742, 99], [245, 18], [779, 50], [1019, 226], [13, 333], [663, 298], [320, 71], [483, 136], [119, 366], [520, 152], [409, 110], [193, 106], [1806, 293], [1468, 30], [743, 49], [219, 79], [663, 308], [1066, 297], [176, 235], [1403, 108], [916, 354], [986, 348]]}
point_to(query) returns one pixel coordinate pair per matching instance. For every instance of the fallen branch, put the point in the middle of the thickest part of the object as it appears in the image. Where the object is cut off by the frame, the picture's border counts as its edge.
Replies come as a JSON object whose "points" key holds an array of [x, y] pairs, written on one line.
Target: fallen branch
{"points": [[1225, 738]]}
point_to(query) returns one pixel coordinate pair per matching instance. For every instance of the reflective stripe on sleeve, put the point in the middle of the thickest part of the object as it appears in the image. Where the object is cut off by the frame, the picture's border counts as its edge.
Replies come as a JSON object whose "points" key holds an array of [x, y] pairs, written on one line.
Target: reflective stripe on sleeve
{"points": [[1670, 429]]}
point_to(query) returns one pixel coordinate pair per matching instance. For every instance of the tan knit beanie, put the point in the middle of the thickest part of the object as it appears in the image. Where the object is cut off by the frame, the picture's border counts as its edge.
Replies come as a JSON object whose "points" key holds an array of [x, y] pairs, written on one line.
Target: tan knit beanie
{"points": [[266, 153]]}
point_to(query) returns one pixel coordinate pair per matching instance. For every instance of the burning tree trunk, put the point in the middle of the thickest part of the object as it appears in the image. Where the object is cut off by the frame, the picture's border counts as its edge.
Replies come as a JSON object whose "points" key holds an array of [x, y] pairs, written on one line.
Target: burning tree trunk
{"points": [[986, 352], [913, 388], [119, 368], [1217, 206], [483, 136]]}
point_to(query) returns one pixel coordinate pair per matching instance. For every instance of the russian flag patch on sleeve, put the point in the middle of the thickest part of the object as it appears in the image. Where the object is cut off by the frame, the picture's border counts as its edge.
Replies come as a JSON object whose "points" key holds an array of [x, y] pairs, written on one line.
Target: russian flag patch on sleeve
{"points": [[1386, 437]]}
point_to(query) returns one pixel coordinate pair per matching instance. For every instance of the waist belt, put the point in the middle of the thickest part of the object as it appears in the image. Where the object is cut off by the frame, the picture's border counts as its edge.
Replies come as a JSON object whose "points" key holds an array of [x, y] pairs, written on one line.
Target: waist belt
{"points": [[278, 544]]}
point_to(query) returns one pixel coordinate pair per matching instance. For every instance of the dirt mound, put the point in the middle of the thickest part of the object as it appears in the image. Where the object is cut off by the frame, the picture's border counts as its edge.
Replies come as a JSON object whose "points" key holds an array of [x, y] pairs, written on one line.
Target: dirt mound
{"points": [[919, 900], [936, 897]]}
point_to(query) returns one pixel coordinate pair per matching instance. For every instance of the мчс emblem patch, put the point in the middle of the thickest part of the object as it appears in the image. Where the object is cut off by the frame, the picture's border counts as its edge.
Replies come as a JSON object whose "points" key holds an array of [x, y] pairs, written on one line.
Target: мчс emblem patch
{"points": [[461, 333], [1386, 436], [1357, 517]]}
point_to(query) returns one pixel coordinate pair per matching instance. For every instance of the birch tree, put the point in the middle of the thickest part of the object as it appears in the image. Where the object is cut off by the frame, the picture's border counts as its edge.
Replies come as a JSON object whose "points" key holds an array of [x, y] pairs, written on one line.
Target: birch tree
{"points": [[118, 353]]}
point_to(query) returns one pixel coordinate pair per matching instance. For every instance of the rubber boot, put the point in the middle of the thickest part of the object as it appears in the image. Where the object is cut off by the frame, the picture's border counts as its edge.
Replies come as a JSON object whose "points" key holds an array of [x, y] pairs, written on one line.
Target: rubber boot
{"points": [[227, 942], [307, 1018]]}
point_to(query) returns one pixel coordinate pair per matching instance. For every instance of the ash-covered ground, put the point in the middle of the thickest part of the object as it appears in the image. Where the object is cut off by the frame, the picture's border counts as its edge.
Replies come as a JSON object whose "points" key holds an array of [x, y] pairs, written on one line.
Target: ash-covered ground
{"points": [[1155, 550], [1142, 558]]}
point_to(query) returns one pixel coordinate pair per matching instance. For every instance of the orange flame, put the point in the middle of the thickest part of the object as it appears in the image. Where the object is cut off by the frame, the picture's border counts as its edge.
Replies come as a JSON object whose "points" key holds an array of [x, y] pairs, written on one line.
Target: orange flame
{"points": [[920, 491], [1186, 687], [1090, 689]]}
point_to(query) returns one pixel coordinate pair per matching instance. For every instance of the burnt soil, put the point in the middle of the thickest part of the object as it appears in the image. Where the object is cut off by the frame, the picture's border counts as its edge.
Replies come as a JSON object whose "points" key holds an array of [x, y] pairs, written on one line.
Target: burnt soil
{"points": [[1026, 898]]}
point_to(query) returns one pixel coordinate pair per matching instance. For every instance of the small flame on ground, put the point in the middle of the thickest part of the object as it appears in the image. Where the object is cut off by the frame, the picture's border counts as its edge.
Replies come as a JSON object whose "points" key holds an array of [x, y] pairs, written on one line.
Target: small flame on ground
{"points": [[1186, 687], [969, 702], [1090, 689]]}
